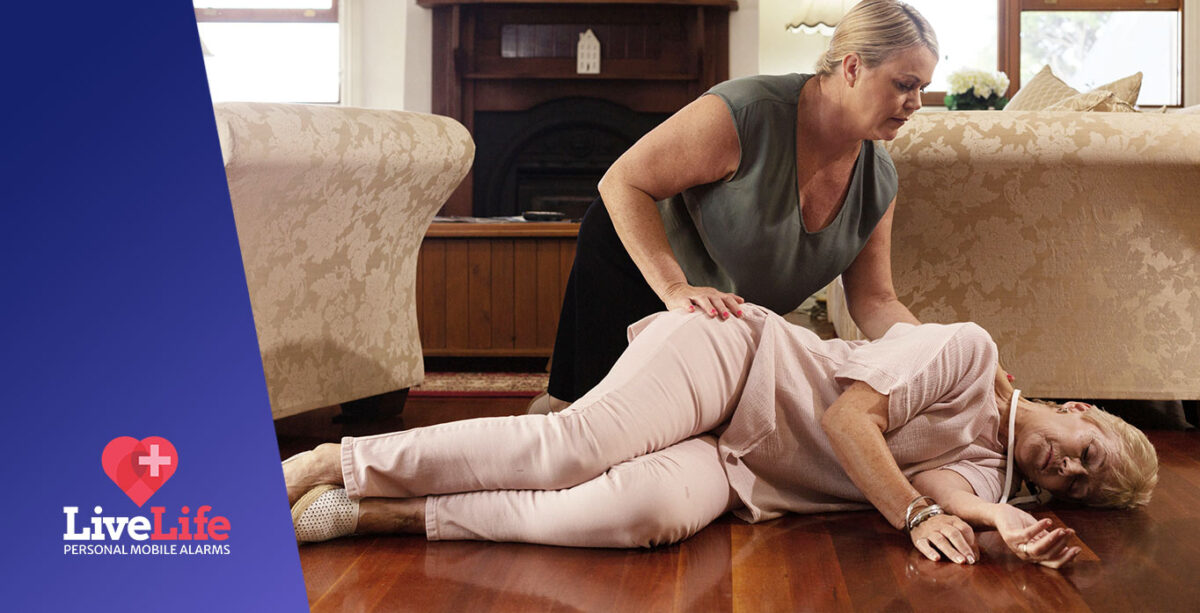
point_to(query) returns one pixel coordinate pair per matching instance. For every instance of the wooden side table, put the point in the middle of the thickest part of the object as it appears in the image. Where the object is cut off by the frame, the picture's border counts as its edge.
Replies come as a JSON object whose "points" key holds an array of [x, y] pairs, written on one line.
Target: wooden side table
{"points": [[493, 289]]}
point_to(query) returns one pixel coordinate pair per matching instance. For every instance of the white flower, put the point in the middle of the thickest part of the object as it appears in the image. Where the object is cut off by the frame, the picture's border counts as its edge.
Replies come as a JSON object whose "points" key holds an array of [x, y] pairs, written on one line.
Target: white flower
{"points": [[984, 83]]}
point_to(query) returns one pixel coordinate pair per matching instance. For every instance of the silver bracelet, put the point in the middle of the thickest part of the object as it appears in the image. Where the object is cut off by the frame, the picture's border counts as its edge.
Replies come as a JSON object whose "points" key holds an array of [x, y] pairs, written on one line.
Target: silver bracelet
{"points": [[908, 514], [923, 515]]}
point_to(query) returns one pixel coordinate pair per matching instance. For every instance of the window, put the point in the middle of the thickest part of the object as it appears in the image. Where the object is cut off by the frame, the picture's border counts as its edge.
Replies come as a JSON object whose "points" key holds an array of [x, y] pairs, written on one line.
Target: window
{"points": [[1085, 42], [966, 33], [1089, 48], [271, 50]]}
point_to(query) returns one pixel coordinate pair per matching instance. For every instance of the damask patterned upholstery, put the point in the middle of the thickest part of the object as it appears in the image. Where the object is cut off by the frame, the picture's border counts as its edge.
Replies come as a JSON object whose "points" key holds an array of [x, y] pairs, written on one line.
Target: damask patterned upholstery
{"points": [[331, 205], [1074, 238]]}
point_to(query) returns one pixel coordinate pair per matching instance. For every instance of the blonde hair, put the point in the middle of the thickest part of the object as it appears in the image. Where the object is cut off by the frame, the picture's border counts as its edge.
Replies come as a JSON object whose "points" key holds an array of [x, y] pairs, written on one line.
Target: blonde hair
{"points": [[876, 30], [1130, 481]]}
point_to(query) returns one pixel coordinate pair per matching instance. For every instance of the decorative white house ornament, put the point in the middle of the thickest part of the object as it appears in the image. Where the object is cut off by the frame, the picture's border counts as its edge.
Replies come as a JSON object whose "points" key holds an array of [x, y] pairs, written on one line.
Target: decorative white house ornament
{"points": [[587, 55]]}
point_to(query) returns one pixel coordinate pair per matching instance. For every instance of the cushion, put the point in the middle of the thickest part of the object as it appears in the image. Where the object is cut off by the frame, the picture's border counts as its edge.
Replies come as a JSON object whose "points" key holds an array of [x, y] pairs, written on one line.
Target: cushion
{"points": [[1188, 110], [1098, 100], [1045, 90], [1126, 89]]}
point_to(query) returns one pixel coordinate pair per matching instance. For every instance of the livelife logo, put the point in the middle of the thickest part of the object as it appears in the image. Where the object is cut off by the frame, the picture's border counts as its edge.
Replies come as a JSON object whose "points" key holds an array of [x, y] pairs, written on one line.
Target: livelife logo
{"points": [[140, 468]]}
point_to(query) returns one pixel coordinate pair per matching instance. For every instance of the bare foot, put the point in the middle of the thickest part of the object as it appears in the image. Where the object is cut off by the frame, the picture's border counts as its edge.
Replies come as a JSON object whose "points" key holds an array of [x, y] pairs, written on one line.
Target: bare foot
{"points": [[391, 516], [319, 466]]}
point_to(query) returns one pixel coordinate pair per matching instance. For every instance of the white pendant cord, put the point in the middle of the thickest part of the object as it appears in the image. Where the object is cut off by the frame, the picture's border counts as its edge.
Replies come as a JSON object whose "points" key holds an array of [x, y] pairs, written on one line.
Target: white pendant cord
{"points": [[1012, 431]]}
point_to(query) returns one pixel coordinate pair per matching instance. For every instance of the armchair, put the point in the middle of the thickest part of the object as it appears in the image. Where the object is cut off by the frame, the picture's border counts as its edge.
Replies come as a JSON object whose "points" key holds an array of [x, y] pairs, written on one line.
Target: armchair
{"points": [[331, 205]]}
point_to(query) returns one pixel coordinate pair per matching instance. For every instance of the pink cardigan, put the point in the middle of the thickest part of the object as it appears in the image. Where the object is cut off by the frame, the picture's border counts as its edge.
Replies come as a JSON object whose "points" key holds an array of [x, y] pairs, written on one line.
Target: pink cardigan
{"points": [[942, 412]]}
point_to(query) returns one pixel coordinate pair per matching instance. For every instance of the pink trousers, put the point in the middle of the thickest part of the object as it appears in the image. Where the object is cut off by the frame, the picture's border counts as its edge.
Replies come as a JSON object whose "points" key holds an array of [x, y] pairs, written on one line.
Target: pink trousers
{"points": [[630, 464]]}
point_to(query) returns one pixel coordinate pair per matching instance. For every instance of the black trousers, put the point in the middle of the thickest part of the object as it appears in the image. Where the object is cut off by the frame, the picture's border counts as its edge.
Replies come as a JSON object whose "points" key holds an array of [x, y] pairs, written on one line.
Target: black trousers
{"points": [[605, 294]]}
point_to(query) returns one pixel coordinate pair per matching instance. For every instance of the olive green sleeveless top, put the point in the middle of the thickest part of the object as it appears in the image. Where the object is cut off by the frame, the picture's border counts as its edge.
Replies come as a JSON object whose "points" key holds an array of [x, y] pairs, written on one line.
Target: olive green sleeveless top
{"points": [[745, 235]]}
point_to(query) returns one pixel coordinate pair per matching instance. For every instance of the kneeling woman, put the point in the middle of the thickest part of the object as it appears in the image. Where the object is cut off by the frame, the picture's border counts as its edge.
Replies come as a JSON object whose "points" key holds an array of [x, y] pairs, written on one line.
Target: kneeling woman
{"points": [[750, 415]]}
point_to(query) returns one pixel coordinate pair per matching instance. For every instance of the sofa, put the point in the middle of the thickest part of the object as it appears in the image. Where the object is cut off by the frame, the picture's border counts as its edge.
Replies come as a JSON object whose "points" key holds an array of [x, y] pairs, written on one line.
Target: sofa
{"points": [[1074, 238], [331, 205]]}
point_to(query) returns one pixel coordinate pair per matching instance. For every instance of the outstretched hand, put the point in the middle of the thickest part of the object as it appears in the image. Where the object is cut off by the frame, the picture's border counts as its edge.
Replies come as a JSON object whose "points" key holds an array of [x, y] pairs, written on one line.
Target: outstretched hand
{"points": [[946, 535], [1033, 540], [708, 300]]}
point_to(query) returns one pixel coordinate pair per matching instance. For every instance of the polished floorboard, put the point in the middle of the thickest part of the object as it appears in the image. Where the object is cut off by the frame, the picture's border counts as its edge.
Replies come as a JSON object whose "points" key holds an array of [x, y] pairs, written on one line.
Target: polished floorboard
{"points": [[1143, 560]]}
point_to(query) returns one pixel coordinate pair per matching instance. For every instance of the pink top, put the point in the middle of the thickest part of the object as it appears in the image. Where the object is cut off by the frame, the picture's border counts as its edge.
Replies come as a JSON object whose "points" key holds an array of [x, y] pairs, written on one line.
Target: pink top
{"points": [[942, 412]]}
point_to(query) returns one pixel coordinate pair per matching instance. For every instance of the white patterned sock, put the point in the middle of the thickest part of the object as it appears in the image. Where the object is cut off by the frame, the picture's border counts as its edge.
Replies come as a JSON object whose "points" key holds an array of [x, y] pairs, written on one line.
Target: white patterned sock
{"points": [[331, 515]]}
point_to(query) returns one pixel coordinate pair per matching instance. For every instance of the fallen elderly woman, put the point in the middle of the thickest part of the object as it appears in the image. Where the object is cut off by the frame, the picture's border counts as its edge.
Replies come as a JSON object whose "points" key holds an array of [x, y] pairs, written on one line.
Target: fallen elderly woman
{"points": [[751, 415]]}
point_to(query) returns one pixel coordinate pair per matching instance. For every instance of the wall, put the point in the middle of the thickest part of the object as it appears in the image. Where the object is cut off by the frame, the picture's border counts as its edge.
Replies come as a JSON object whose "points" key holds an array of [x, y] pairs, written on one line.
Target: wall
{"points": [[393, 43], [375, 65], [744, 41], [418, 66], [780, 51]]}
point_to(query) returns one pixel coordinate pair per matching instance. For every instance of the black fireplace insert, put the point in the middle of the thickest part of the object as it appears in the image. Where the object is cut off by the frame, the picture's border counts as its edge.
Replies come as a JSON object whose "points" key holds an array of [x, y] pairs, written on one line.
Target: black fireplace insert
{"points": [[550, 157]]}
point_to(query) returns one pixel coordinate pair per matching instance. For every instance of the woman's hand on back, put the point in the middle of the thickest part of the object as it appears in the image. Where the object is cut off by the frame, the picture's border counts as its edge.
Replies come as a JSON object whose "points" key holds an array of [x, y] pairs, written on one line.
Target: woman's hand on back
{"points": [[708, 300]]}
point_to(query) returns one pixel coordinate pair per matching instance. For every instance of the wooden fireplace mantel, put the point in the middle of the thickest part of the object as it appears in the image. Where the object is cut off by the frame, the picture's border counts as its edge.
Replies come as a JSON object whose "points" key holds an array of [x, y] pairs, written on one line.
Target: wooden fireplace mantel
{"points": [[496, 289], [513, 55], [515, 229]]}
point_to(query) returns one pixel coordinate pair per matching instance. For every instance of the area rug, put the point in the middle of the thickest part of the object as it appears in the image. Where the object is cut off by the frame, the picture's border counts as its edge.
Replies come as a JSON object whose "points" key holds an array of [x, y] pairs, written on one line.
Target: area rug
{"points": [[482, 384]]}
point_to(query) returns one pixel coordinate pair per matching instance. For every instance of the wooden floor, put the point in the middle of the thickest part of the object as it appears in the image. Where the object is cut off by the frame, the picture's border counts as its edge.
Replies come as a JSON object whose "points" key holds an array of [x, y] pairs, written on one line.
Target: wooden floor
{"points": [[1144, 560]]}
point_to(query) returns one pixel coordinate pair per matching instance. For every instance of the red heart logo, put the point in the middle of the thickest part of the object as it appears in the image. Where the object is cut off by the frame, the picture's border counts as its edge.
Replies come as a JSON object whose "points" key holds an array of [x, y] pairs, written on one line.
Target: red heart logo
{"points": [[139, 468]]}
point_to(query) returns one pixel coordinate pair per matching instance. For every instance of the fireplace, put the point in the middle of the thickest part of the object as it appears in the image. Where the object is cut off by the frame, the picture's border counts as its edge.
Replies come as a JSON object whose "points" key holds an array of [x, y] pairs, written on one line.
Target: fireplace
{"points": [[544, 134], [550, 157]]}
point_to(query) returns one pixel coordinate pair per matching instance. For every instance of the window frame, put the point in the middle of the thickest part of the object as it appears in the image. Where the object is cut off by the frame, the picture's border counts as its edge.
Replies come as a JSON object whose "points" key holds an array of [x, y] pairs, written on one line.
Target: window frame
{"points": [[333, 14], [1010, 28], [329, 15], [1008, 50]]}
